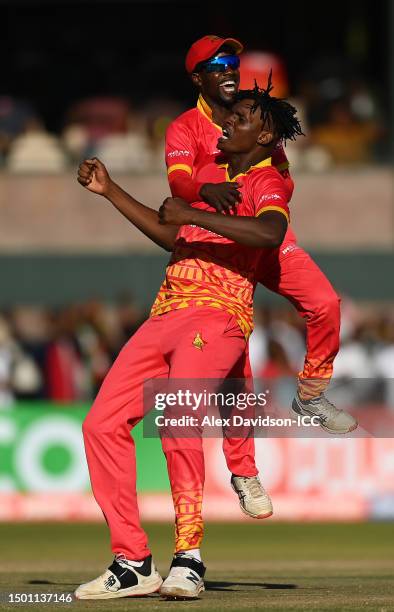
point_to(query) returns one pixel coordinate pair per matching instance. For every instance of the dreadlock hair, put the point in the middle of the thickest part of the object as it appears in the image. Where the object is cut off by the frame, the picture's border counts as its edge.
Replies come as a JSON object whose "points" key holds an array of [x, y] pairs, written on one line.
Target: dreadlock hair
{"points": [[279, 111]]}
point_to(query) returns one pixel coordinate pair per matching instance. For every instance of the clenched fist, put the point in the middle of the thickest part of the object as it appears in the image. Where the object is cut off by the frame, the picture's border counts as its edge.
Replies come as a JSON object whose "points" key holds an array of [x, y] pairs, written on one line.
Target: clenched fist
{"points": [[175, 211], [93, 175]]}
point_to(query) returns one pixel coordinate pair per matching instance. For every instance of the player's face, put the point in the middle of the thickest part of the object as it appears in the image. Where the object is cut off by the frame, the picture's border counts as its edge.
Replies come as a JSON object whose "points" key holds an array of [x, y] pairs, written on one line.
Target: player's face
{"points": [[218, 86], [243, 130]]}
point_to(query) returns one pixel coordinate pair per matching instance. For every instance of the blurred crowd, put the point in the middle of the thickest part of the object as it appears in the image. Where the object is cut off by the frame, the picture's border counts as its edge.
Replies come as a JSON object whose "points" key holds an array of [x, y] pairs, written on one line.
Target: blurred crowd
{"points": [[63, 355], [340, 111], [127, 140]]}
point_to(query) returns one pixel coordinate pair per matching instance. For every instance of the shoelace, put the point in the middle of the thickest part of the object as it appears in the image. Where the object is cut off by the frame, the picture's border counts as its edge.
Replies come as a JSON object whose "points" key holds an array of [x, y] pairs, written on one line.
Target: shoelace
{"points": [[323, 404], [254, 487]]}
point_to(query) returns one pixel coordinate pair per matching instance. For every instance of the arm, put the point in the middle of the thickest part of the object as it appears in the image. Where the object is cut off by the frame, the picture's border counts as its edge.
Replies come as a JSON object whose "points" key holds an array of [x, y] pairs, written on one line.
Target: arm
{"points": [[181, 151], [93, 175], [265, 231], [263, 226], [180, 154], [222, 196], [183, 186], [142, 217]]}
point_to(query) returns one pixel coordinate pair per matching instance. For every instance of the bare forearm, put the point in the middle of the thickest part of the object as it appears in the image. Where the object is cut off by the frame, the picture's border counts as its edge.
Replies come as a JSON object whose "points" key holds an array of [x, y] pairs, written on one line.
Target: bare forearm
{"points": [[142, 217], [266, 231]]}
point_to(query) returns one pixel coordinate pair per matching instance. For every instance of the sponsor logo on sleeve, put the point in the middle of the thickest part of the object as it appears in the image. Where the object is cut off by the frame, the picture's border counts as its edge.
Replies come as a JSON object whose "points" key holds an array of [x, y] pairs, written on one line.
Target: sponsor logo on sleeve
{"points": [[289, 249], [179, 153], [270, 196]]}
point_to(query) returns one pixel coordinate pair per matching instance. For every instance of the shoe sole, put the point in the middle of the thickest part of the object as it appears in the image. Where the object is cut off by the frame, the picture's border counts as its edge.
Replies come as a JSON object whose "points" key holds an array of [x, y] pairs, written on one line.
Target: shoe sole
{"points": [[179, 593], [250, 514], [303, 412], [130, 592]]}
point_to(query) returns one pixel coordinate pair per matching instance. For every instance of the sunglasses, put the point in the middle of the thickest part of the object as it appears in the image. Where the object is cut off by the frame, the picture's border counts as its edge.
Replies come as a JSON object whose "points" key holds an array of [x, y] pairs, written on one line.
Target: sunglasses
{"points": [[221, 64]]}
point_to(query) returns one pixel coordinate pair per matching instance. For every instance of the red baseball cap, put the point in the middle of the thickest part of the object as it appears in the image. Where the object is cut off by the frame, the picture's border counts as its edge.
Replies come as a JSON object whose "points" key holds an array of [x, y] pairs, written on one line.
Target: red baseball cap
{"points": [[206, 47]]}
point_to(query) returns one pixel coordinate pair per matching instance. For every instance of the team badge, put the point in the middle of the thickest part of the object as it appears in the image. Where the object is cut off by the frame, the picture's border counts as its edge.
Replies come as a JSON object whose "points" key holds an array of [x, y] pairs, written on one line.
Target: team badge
{"points": [[198, 342]]}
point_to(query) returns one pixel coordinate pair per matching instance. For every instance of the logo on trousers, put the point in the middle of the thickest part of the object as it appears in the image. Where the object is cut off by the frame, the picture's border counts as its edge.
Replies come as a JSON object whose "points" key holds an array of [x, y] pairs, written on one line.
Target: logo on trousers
{"points": [[198, 341]]}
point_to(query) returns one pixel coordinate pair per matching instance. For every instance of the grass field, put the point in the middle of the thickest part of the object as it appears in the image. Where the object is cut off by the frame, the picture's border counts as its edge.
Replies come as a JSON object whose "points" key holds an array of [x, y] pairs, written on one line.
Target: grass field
{"points": [[251, 566]]}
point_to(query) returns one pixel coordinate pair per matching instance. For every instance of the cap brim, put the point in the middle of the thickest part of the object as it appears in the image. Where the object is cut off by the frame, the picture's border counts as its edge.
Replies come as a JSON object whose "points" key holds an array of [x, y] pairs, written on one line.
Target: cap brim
{"points": [[237, 46]]}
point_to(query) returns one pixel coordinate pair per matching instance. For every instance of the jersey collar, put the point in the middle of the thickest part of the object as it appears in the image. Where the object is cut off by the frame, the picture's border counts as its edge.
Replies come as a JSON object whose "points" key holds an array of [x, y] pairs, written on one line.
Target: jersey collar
{"points": [[266, 162], [206, 110]]}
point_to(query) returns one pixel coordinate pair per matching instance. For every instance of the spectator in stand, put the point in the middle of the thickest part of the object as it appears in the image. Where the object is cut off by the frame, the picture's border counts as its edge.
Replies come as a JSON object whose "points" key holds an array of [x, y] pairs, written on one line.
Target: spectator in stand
{"points": [[100, 116], [16, 118], [130, 317], [64, 355], [92, 120], [98, 336], [277, 375], [32, 329], [63, 366], [277, 365], [346, 139]]}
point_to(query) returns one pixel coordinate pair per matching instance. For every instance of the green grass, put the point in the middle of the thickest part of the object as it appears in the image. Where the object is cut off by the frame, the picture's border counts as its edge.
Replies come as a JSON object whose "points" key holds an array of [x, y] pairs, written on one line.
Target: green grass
{"points": [[252, 565]]}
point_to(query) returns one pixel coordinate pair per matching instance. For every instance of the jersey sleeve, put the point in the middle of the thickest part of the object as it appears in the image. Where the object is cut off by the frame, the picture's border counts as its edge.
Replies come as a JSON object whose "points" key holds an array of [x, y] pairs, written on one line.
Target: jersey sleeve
{"points": [[180, 153], [269, 193], [180, 148]]}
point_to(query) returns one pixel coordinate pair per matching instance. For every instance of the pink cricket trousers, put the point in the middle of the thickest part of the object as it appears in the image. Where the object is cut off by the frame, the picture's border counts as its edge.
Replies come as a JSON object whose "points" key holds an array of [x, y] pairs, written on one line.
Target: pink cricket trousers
{"points": [[161, 348], [289, 271]]}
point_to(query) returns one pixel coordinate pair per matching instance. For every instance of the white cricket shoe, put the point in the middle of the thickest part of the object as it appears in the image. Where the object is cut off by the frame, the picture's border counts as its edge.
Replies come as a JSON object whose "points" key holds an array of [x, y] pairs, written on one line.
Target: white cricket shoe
{"points": [[253, 498], [124, 578], [331, 419], [185, 580]]}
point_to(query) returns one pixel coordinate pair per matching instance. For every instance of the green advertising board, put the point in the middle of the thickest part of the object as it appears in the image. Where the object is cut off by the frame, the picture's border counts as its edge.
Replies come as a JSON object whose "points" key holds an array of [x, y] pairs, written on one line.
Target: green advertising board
{"points": [[41, 450]]}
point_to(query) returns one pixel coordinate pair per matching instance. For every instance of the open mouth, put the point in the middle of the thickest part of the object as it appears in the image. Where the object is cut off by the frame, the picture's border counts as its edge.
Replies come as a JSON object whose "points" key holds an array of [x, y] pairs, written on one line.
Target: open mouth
{"points": [[229, 86], [226, 135]]}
